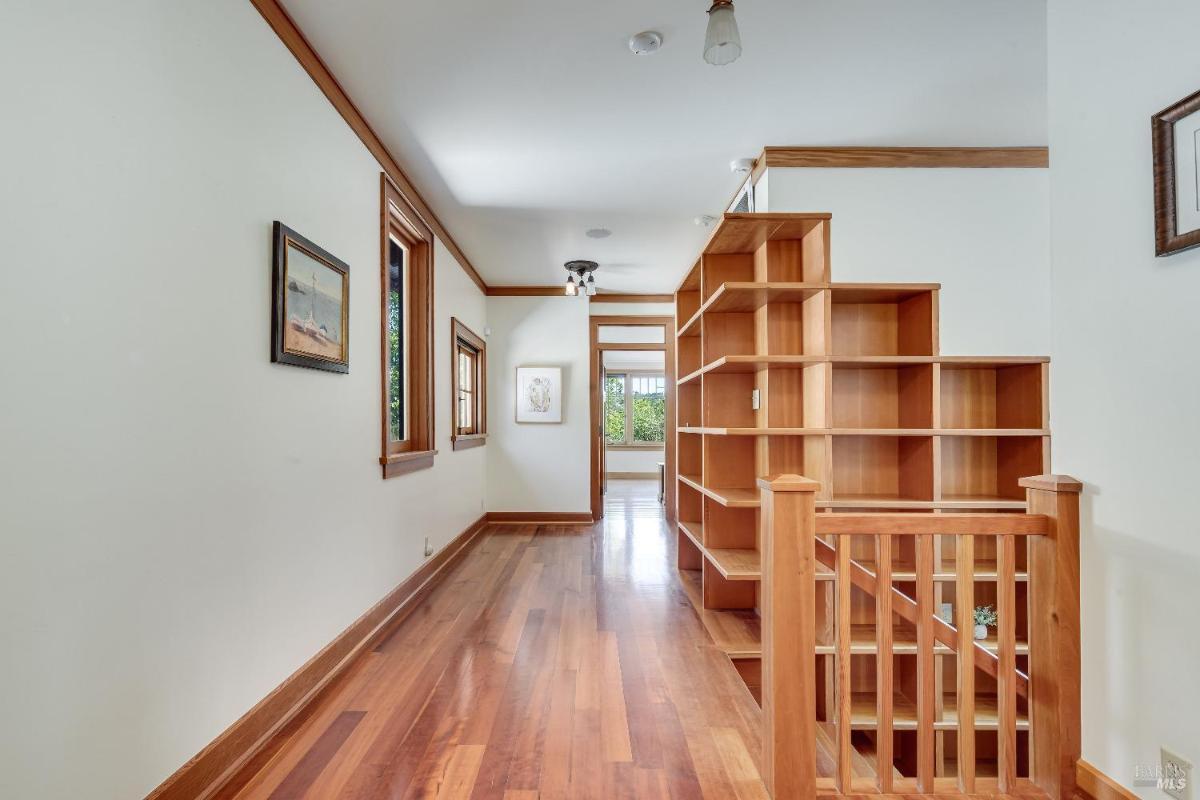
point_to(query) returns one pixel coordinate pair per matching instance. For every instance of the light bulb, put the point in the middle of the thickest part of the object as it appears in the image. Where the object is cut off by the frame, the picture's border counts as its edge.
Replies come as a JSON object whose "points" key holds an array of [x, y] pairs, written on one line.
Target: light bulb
{"points": [[572, 289], [722, 42]]}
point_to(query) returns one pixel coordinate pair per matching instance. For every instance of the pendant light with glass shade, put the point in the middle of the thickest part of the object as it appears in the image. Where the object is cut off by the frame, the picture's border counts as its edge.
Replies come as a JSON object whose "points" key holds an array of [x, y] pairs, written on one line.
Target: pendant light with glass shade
{"points": [[580, 280], [722, 42]]}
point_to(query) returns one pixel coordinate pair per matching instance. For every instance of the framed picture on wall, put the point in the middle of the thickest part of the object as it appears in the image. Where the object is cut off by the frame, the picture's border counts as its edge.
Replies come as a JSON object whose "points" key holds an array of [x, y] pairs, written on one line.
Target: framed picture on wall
{"points": [[1176, 135], [310, 304], [539, 394]]}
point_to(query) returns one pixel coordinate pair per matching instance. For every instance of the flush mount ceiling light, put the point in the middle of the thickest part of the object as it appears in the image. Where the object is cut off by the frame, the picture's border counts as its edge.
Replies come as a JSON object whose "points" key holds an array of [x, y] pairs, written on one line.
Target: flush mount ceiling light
{"points": [[580, 279], [598, 233], [645, 43], [722, 42]]}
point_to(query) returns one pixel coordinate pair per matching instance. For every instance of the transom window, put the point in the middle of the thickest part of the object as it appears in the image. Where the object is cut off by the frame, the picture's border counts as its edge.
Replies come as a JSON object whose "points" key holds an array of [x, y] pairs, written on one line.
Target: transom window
{"points": [[635, 409]]}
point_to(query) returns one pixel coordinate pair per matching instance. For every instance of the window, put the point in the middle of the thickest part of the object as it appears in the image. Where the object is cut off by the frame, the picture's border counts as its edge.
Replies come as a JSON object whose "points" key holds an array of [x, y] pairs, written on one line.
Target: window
{"points": [[406, 307], [635, 409], [469, 389]]}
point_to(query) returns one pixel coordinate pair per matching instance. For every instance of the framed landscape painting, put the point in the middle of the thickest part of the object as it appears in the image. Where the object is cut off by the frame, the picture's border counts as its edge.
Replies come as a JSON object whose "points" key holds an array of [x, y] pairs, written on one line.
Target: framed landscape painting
{"points": [[1176, 134], [539, 394], [310, 304]]}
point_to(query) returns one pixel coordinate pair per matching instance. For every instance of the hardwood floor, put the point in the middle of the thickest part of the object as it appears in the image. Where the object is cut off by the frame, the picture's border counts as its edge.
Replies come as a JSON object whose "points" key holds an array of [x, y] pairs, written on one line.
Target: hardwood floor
{"points": [[553, 662]]}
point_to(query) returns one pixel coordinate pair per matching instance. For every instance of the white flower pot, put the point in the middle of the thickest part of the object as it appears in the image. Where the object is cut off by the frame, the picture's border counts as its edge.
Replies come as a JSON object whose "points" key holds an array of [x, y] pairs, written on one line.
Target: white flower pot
{"points": [[981, 631]]}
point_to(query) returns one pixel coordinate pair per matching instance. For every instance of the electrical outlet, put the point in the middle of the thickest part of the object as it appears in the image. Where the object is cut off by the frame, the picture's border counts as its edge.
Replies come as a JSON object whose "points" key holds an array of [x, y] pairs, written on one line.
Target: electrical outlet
{"points": [[754, 399], [1176, 776], [428, 548]]}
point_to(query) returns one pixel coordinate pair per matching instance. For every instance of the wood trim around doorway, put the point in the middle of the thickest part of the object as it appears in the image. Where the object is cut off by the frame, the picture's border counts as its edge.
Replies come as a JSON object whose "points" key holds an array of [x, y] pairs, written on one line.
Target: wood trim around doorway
{"points": [[595, 348]]}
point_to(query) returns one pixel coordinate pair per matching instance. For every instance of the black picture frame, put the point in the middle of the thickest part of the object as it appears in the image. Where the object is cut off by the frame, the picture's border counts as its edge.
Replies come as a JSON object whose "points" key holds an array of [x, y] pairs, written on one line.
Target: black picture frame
{"points": [[1167, 239], [307, 342]]}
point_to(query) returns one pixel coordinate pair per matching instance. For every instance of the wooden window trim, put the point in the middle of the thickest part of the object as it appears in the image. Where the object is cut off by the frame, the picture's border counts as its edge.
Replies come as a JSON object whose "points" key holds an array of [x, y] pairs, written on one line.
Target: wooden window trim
{"points": [[400, 219], [629, 443], [460, 334]]}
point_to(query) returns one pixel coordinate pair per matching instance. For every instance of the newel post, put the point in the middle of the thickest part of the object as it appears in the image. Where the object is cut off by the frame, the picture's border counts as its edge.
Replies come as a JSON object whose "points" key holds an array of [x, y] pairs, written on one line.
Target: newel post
{"points": [[1054, 661], [787, 542]]}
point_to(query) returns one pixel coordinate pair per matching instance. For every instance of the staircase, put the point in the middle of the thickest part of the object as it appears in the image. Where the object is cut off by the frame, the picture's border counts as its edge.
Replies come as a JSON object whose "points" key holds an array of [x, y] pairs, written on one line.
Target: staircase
{"points": [[846, 492]]}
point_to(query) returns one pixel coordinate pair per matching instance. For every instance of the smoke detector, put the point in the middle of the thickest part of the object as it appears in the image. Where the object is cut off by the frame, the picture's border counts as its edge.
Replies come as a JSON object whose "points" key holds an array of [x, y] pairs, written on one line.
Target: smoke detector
{"points": [[741, 166], [645, 43]]}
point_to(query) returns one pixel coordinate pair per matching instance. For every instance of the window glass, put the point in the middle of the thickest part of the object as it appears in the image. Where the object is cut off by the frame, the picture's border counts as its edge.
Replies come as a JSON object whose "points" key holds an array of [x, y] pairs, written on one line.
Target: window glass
{"points": [[648, 409], [466, 390], [614, 408], [397, 341]]}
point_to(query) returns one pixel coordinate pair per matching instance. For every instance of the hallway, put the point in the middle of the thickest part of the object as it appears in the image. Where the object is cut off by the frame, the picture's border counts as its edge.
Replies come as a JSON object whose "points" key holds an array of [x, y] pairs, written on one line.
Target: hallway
{"points": [[553, 662]]}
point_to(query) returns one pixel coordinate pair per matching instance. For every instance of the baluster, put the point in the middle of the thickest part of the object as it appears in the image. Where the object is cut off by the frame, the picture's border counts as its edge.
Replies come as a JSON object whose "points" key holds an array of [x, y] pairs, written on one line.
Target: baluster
{"points": [[1006, 684], [884, 662], [964, 607], [925, 664], [843, 696]]}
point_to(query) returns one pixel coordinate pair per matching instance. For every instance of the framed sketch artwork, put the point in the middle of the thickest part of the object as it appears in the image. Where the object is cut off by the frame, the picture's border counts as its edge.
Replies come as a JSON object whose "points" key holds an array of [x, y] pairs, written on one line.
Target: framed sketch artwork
{"points": [[539, 394], [1176, 134]]}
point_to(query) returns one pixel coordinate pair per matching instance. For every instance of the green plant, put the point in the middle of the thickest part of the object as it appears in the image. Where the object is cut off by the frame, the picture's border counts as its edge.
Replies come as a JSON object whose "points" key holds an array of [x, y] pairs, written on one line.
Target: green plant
{"points": [[985, 615], [614, 409]]}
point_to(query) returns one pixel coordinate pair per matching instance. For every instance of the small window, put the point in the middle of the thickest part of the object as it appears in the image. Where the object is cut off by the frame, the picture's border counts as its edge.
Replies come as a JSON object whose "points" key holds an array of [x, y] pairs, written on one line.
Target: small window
{"points": [[469, 392], [635, 409], [407, 335]]}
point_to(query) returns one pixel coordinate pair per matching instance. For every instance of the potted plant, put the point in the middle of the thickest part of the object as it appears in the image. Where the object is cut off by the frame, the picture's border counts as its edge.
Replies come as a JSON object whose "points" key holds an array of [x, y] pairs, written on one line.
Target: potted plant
{"points": [[985, 617]]}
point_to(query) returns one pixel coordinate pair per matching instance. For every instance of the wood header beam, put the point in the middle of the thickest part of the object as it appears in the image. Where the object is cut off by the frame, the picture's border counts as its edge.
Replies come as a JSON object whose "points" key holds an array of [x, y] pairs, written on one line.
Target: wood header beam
{"points": [[879, 157], [632, 298], [526, 291], [295, 41]]}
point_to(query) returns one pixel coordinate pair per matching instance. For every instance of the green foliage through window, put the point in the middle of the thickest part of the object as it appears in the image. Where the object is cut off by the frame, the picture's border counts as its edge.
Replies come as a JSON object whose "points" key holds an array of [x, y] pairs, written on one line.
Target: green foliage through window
{"points": [[395, 354], [635, 409], [614, 409]]}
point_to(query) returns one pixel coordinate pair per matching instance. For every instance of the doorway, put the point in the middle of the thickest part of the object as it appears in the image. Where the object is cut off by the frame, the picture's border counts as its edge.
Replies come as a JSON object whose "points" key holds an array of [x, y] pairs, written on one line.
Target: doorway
{"points": [[626, 390]]}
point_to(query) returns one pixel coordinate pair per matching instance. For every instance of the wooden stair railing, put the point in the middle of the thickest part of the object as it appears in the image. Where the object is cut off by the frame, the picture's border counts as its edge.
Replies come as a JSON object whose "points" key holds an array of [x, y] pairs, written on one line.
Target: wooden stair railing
{"points": [[791, 552]]}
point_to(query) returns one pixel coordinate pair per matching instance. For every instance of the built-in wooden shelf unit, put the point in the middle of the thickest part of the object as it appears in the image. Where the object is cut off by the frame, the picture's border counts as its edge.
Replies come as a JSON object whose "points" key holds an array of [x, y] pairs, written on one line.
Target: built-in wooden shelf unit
{"points": [[783, 371]]}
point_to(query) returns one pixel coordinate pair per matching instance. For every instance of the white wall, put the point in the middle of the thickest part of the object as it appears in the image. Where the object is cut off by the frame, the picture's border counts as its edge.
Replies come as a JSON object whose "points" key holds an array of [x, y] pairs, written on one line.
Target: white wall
{"points": [[184, 523], [633, 309], [1124, 376], [538, 467], [641, 460], [982, 233]]}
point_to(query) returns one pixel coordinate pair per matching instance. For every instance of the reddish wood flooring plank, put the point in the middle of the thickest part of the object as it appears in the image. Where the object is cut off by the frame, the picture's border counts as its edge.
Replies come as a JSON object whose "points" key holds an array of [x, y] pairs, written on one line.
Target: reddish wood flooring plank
{"points": [[553, 662], [316, 759]]}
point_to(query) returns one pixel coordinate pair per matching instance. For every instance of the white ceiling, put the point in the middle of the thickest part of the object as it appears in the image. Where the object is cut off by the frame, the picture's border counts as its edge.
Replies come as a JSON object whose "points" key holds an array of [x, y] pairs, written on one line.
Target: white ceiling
{"points": [[529, 121]]}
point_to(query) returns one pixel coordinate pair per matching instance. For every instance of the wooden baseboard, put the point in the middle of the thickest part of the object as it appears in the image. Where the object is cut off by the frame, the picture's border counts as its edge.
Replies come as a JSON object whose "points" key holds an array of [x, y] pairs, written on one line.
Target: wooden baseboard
{"points": [[632, 476], [213, 766], [543, 517], [1097, 785]]}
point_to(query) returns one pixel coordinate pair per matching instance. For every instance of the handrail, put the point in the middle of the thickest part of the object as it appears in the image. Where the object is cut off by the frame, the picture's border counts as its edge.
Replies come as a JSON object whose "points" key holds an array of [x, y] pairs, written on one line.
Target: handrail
{"points": [[791, 553], [918, 523]]}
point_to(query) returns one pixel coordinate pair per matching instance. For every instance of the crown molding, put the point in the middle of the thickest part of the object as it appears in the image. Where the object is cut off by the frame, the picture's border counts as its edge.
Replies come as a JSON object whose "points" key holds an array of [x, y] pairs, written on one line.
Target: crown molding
{"points": [[876, 157], [295, 41]]}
